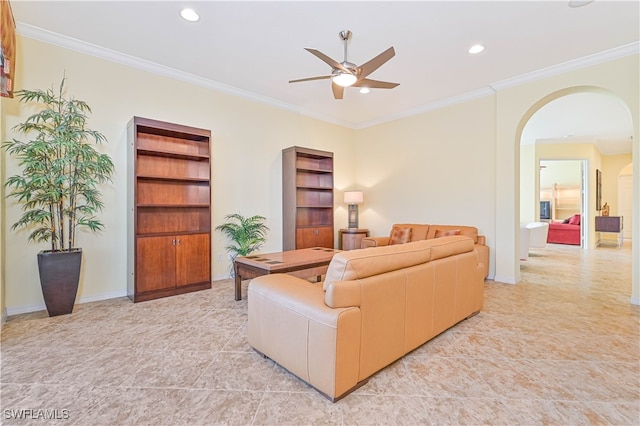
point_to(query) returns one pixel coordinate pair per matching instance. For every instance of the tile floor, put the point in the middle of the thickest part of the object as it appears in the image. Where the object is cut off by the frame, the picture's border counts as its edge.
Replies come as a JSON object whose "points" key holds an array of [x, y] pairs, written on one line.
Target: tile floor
{"points": [[563, 347]]}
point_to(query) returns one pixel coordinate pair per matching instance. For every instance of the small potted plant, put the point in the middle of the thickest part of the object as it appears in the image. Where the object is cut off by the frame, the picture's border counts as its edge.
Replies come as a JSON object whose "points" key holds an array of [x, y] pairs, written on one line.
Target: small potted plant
{"points": [[58, 187], [246, 233]]}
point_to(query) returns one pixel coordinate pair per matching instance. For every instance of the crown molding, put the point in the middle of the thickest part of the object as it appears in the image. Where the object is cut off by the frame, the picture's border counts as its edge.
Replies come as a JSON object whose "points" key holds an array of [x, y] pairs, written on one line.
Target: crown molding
{"points": [[46, 36], [90, 49], [432, 106], [576, 64], [587, 61]]}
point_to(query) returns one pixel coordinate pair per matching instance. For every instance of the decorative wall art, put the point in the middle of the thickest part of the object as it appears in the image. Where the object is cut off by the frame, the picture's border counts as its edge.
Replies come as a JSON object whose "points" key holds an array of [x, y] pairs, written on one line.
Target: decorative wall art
{"points": [[7, 49]]}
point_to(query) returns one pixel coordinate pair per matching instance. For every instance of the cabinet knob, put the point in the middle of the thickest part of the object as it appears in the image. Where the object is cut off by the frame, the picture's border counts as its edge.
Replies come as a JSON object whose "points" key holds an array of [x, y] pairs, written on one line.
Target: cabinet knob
{"points": [[315, 232]]}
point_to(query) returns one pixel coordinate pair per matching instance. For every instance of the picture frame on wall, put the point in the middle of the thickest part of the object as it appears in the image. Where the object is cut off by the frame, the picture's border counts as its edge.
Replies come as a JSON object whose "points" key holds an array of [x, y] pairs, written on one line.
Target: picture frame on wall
{"points": [[598, 190], [7, 49]]}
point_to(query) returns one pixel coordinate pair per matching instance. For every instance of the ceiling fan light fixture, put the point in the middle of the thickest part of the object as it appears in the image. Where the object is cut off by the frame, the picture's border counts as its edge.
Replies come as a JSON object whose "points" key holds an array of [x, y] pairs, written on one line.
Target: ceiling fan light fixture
{"points": [[365, 90], [344, 79]]}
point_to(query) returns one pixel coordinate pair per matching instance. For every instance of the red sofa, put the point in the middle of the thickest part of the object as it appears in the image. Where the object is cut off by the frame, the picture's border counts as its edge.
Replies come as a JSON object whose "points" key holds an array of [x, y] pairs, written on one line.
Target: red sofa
{"points": [[565, 233]]}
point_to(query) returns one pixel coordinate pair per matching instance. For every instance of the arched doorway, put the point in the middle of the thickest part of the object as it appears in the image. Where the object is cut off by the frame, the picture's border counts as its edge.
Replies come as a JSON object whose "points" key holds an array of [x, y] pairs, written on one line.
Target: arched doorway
{"points": [[591, 127], [598, 125]]}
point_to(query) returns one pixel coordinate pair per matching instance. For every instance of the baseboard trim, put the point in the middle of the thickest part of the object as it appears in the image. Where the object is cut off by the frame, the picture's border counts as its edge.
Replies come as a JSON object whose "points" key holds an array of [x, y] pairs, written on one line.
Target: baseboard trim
{"points": [[25, 309], [221, 277], [504, 280], [103, 296]]}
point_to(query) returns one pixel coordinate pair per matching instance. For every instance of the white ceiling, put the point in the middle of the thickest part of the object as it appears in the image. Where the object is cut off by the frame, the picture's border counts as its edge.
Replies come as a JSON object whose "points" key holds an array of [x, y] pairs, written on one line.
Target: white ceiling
{"points": [[594, 118], [254, 48]]}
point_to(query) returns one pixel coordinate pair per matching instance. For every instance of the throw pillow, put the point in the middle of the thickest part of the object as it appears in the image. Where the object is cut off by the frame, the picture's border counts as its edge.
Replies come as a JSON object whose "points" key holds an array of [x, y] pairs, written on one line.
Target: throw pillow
{"points": [[400, 235], [575, 220], [443, 233], [566, 220]]}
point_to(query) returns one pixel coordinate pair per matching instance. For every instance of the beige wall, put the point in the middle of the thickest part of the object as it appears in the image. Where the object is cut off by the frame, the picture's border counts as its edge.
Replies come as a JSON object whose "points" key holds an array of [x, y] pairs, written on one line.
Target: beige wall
{"points": [[529, 185], [612, 165], [436, 168], [457, 165], [247, 141]]}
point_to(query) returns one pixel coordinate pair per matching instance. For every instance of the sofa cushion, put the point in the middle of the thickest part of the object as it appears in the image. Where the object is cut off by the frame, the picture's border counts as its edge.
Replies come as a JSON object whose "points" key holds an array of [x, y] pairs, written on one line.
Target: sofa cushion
{"points": [[575, 220], [446, 233], [357, 264], [400, 235], [418, 230], [469, 231]]}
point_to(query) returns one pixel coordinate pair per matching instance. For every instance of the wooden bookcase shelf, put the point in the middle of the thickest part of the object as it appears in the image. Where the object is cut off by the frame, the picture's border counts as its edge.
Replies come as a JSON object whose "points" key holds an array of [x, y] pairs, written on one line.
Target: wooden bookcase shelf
{"points": [[307, 198], [169, 206]]}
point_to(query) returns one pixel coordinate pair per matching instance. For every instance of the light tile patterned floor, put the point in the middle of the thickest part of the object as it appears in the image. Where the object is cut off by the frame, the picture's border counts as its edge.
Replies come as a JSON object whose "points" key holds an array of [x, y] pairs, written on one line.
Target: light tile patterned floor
{"points": [[563, 347]]}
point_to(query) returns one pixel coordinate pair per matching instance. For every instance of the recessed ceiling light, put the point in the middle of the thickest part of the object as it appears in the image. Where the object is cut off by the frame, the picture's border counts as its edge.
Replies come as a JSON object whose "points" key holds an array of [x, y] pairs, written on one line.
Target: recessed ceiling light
{"points": [[579, 3], [476, 48], [190, 15], [365, 90]]}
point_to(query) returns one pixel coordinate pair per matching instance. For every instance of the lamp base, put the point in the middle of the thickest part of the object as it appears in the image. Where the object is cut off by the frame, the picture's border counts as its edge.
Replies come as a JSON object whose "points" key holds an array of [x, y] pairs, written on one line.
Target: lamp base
{"points": [[353, 216]]}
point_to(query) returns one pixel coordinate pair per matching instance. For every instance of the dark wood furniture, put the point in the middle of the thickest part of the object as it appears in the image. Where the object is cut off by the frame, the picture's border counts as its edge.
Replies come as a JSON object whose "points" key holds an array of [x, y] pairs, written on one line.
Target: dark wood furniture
{"points": [[303, 263], [349, 238], [307, 198], [169, 209], [610, 224]]}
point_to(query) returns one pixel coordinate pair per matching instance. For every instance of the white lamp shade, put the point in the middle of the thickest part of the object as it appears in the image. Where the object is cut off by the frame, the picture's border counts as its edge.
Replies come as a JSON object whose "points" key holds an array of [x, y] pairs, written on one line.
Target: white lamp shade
{"points": [[353, 197]]}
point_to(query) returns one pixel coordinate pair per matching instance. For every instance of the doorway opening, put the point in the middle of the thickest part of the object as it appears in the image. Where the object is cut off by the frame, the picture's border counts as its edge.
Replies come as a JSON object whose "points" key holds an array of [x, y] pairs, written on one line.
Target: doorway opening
{"points": [[562, 188]]}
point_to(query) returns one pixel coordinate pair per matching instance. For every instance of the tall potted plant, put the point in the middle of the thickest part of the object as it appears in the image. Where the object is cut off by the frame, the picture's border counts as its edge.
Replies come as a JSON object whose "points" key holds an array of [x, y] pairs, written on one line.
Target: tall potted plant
{"points": [[57, 188], [246, 233]]}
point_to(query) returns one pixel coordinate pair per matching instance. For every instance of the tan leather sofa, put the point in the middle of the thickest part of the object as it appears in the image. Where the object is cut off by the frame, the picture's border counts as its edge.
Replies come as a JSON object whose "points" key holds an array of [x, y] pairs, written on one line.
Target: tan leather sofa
{"points": [[426, 232], [374, 306]]}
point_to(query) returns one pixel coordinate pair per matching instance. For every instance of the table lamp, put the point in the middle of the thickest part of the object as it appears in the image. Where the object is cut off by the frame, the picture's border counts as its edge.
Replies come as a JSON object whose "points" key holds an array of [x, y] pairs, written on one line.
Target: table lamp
{"points": [[353, 198]]}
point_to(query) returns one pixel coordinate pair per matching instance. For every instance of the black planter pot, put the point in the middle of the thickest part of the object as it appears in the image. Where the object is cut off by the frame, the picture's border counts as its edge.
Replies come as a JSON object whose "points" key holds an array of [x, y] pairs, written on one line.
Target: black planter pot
{"points": [[59, 277]]}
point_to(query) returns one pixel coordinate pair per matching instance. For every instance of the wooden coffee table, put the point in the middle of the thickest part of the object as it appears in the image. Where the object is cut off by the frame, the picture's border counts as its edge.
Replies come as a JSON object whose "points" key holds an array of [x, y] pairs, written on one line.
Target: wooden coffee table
{"points": [[302, 263]]}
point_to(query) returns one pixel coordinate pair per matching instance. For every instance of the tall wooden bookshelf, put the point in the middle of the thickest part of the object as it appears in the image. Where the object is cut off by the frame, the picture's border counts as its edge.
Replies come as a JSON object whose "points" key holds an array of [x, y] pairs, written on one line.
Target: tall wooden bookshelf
{"points": [[169, 209], [307, 198]]}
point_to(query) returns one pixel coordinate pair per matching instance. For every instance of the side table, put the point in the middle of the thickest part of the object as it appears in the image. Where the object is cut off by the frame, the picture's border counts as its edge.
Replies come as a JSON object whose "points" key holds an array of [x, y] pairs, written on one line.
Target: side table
{"points": [[349, 238], [612, 224]]}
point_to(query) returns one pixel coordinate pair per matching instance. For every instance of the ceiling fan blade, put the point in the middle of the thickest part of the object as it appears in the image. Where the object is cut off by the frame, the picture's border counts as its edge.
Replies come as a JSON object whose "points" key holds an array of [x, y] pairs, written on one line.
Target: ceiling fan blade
{"points": [[331, 62], [321, 77], [338, 91], [374, 84], [375, 63]]}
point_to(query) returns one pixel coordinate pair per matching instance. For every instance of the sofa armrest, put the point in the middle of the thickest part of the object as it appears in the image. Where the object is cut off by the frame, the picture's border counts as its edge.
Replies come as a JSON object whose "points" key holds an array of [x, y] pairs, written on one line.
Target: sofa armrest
{"points": [[374, 242], [289, 322], [343, 294]]}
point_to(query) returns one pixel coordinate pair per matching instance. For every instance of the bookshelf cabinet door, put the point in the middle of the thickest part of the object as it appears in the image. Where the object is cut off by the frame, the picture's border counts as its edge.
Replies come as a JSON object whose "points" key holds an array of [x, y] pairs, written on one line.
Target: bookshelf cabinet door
{"points": [[192, 259], [156, 263], [314, 237]]}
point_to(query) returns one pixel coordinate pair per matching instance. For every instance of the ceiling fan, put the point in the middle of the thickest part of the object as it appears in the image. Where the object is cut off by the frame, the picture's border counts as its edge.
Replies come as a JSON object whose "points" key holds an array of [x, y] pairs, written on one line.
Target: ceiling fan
{"points": [[346, 74]]}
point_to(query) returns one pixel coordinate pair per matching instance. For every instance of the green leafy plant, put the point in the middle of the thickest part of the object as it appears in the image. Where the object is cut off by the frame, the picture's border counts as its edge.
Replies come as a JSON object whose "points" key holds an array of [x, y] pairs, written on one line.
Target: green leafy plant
{"points": [[61, 169], [247, 234]]}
